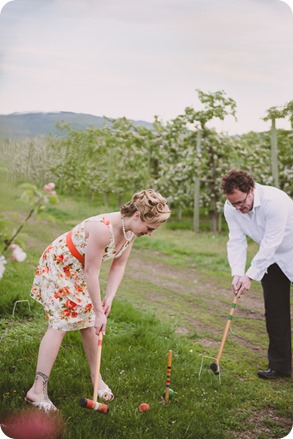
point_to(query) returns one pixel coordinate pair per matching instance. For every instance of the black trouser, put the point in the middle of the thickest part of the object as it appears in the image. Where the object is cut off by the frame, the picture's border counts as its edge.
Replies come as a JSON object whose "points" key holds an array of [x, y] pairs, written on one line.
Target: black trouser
{"points": [[276, 289]]}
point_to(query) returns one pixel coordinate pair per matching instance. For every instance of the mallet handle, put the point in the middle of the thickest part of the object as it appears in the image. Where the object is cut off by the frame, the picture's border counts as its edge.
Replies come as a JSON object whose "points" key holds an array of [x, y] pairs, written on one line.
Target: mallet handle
{"points": [[226, 330], [168, 379], [98, 365]]}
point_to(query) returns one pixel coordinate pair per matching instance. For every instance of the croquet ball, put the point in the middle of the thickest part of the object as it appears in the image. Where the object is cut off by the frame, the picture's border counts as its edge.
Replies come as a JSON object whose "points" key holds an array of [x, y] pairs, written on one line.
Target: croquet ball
{"points": [[171, 393], [33, 424], [144, 407]]}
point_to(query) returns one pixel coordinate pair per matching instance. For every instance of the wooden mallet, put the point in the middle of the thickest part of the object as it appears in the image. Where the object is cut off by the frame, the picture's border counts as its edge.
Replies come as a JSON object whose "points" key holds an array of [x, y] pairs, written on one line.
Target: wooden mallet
{"points": [[215, 367], [93, 404]]}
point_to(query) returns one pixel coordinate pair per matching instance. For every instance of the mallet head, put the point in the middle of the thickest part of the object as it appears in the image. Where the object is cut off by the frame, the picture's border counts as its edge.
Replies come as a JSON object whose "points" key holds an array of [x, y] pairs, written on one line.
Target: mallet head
{"points": [[215, 368], [94, 405]]}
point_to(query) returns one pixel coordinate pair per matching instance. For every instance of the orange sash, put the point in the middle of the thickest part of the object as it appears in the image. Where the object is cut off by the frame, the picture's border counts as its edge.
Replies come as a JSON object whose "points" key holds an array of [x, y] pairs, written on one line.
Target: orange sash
{"points": [[73, 250]]}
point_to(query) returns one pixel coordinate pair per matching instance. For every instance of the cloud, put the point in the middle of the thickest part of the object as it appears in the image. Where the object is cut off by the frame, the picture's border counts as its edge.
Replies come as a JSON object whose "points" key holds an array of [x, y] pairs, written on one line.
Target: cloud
{"points": [[3, 3], [138, 58], [289, 3]]}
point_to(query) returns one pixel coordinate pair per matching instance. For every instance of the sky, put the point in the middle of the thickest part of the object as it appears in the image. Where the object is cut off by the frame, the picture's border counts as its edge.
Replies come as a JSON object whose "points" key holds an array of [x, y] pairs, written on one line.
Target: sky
{"points": [[138, 58]]}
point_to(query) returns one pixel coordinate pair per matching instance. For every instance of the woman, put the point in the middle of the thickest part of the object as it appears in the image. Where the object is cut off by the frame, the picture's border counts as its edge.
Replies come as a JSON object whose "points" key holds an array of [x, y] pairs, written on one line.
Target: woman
{"points": [[67, 282]]}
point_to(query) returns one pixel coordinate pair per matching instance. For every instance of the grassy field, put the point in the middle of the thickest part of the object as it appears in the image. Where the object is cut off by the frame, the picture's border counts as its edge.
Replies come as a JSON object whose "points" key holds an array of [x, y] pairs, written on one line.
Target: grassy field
{"points": [[175, 296]]}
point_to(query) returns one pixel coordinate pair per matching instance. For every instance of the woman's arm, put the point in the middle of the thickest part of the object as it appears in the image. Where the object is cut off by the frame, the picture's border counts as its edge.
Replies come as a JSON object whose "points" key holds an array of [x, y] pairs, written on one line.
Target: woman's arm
{"points": [[114, 279], [98, 239]]}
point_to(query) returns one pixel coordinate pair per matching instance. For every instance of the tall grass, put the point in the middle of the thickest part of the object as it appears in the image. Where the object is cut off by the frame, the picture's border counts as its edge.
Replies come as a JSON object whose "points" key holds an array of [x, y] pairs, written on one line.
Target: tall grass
{"points": [[140, 331]]}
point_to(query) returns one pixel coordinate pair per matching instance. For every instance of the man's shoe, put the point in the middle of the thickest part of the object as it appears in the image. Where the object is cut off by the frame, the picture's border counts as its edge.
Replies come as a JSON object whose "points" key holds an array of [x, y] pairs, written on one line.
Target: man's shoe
{"points": [[271, 374]]}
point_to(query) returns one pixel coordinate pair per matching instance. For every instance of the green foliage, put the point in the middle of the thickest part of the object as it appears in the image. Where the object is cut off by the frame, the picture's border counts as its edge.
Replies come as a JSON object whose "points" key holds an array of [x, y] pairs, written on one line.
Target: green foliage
{"points": [[280, 112], [255, 154], [215, 105], [37, 199], [120, 158]]}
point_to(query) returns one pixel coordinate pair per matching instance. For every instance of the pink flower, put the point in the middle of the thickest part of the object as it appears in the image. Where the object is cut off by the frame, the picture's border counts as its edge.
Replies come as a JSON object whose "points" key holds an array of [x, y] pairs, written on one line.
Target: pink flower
{"points": [[17, 254], [2, 265], [49, 187]]}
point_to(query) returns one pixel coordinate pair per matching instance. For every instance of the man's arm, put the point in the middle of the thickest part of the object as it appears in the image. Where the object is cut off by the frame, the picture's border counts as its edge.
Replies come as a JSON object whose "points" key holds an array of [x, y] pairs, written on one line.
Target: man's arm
{"points": [[275, 216]]}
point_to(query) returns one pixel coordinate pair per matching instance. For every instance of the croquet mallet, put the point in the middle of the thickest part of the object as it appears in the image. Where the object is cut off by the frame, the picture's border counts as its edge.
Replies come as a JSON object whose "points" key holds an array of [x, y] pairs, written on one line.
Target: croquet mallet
{"points": [[93, 404], [215, 367]]}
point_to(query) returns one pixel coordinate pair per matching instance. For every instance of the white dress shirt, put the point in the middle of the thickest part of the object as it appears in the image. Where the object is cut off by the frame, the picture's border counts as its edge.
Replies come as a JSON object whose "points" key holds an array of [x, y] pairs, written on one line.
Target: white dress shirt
{"points": [[270, 224]]}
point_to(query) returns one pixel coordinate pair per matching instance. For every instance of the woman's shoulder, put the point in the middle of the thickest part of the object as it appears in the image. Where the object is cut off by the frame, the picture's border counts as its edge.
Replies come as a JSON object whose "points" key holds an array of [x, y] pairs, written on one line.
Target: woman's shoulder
{"points": [[98, 222], [105, 218]]}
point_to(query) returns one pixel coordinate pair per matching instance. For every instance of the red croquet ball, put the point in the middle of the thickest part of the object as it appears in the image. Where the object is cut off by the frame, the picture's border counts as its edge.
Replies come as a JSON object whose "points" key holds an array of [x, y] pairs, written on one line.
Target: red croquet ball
{"points": [[33, 424], [144, 407]]}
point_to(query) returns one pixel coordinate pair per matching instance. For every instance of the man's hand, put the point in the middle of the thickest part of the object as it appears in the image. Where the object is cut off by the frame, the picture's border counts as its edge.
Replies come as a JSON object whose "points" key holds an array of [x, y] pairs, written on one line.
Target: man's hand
{"points": [[240, 285]]}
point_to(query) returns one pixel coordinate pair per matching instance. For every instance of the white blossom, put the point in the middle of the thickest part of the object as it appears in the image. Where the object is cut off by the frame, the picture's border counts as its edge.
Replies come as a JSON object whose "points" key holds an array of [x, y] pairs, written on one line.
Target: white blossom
{"points": [[2, 265], [17, 253]]}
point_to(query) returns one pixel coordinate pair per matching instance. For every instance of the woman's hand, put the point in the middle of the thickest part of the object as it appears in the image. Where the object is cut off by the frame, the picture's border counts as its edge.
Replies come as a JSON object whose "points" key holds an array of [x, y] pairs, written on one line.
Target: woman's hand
{"points": [[100, 323], [107, 305]]}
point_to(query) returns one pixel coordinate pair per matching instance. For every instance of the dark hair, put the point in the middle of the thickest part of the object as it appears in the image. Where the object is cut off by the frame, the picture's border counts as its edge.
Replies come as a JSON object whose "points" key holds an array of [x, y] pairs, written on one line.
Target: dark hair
{"points": [[237, 179], [150, 204]]}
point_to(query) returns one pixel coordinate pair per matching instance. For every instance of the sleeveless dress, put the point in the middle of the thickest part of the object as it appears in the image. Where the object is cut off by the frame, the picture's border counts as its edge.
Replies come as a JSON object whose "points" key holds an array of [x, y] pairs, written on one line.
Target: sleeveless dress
{"points": [[60, 283]]}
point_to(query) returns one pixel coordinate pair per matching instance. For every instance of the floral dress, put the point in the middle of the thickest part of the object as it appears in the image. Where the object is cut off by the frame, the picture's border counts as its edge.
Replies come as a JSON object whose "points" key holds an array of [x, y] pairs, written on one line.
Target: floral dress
{"points": [[60, 283]]}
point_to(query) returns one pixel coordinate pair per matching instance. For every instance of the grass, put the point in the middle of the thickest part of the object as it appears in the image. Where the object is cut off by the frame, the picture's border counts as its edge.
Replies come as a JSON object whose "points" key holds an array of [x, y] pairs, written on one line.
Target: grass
{"points": [[174, 296]]}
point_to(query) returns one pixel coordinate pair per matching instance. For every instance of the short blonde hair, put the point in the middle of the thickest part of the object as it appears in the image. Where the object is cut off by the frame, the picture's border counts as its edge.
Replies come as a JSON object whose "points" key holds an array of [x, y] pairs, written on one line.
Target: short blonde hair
{"points": [[153, 208]]}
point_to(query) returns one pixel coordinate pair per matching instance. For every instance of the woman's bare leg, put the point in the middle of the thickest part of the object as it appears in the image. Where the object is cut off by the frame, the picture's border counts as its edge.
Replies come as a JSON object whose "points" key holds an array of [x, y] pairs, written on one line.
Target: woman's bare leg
{"points": [[90, 345], [48, 352]]}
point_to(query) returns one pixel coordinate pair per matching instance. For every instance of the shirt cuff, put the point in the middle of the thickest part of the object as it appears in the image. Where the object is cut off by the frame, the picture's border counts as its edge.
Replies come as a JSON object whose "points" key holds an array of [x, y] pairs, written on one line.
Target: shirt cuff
{"points": [[237, 271], [255, 274]]}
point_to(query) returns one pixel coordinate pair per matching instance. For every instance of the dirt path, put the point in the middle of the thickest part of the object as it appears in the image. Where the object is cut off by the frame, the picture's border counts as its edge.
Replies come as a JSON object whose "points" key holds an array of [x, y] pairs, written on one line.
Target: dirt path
{"points": [[192, 301]]}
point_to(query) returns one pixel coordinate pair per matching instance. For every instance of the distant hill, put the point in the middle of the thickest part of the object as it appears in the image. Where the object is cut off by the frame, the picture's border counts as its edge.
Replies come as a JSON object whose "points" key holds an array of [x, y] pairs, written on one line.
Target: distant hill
{"points": [[21, 125]]}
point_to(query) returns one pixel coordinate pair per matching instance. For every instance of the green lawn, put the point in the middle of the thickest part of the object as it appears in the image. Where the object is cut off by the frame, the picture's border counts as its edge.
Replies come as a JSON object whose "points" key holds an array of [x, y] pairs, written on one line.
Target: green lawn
{"points": [[175, 295]]}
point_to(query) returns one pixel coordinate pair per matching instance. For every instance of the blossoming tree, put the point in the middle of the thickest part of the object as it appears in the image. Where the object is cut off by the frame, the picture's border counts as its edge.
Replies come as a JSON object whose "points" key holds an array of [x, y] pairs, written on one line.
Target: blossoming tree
{"points": [[38, 199]]}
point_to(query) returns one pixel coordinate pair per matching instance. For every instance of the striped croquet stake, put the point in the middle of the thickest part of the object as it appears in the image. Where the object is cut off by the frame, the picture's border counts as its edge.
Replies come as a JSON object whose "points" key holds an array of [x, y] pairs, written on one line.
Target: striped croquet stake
{"points": [[168, 379]]}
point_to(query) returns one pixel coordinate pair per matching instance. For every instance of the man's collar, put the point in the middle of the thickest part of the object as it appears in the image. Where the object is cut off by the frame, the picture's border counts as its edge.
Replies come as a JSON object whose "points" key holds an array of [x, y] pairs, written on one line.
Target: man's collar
{"points": [[256, 197]]}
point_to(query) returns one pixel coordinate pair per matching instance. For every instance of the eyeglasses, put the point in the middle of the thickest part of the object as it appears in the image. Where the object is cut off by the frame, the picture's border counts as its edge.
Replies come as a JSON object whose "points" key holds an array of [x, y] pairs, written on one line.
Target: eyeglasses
{"points": [[239, 203]]}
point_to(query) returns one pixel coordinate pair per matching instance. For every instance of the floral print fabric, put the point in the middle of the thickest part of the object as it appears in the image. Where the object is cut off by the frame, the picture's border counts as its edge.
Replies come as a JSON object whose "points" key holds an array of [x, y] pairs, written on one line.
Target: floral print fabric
{"points": [[60, 284]]}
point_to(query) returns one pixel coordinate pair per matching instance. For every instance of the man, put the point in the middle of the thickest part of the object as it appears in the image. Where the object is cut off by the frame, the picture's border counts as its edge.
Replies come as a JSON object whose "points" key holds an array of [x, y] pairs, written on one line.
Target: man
{"points": [[265, 214]]}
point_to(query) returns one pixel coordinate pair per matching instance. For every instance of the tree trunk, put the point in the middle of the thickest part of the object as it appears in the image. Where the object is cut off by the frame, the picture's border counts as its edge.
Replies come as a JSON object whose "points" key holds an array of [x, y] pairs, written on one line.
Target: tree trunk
{"points": [[196, 189], [213, 220], [106, 199], [120, 200], [274, 146], [179, 213], [213, 192]]}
